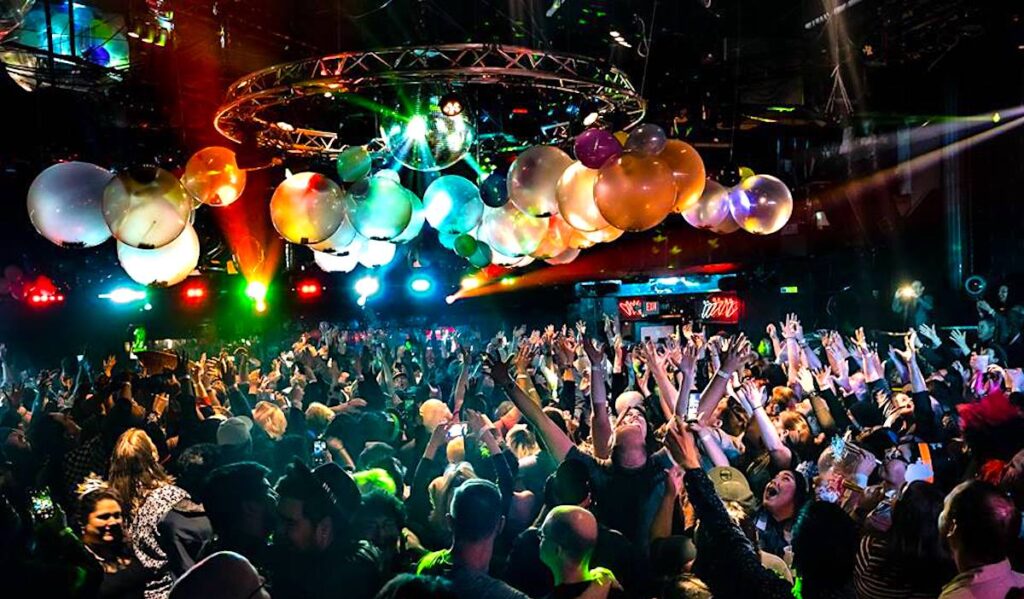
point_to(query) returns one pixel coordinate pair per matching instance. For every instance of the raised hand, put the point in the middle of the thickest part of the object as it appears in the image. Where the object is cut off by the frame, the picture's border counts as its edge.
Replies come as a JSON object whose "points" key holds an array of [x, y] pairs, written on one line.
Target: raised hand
{"points": [[594, 351], [682, 446], [806, 379], [500, 370], [772, 331], [959, 338], [738, 353], [824, 379], [928, 332], [581, 328]]}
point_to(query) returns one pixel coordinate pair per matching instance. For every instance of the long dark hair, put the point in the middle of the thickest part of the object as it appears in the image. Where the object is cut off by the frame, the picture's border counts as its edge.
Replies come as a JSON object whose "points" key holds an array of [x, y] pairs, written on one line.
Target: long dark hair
{"points": [[915, 546]]}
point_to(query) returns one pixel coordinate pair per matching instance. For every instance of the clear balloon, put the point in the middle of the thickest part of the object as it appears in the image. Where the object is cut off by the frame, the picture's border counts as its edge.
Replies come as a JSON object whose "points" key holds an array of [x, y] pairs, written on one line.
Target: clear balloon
{"points": [[512, 232], [146, 207], [65, 204], [307, 208], [384, 212], [578, 240], [556, 240], [452, 204], [481, 256], [416, 220], [494, 190], [727, 226], [339, 241], [635, 192], [565, 257], [12, 15], [213, 178], [353, 163], [387, 173], [447, 240], [533, 179], [646, 139], [164, 266], [465, 245], [503, 260], [376, 253], [576, 202], [428, 139], [334, 263], [595, 147], [711, 207], [688, 171], [604, 235], [761, 204]]}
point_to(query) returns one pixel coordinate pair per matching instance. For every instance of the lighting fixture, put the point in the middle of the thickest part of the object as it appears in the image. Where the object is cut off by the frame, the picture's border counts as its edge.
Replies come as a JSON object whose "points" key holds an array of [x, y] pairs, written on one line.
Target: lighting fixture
{"points": [[451, 104], [123, 295], [420, 284], [366, 287]]}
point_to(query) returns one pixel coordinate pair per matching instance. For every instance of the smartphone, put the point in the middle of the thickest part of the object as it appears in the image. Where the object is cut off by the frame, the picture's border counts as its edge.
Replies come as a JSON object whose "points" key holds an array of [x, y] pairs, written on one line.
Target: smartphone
{"points": [[457, 430], [319, 453], [691, 407], [80, 357], [42, 505]]}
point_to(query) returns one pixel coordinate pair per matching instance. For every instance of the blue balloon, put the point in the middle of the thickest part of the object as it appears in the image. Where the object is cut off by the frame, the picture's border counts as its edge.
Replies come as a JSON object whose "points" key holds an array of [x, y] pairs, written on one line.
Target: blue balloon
{"points": [[452, 204], [494, 190]]}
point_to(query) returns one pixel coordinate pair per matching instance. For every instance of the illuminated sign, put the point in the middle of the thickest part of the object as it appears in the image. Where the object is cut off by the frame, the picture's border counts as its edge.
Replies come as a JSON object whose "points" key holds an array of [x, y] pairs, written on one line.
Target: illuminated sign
{"points": [[722, 309], [637, 309]]}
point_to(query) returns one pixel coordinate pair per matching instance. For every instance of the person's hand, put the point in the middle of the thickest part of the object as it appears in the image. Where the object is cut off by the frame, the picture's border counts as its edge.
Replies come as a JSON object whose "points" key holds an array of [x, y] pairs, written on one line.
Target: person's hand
{"points": [[791, 328], [961, 370], [806, 379], [522, 359], [736, 357], [754, 393], [959, 338], [581, 328], [682, 446], [1016, 378], [772, 331], [519, 332], [860, 340], [594, 351], [985, 308], [3, 352], [108, 365], [500, 370], [929, 333], [439, 437], [160, 401], [643, 382], [70, 427]]}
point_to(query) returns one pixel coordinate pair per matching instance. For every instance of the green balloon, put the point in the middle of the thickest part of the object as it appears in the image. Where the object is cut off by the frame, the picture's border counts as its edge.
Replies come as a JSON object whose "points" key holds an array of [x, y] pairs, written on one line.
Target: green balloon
{"points": [[482, 256], [354, 163], [465, 245]]}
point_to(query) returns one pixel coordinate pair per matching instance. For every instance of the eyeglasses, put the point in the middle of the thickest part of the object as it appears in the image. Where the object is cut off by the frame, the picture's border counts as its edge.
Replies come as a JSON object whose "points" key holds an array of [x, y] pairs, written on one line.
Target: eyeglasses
{"points": [[895, 454]]}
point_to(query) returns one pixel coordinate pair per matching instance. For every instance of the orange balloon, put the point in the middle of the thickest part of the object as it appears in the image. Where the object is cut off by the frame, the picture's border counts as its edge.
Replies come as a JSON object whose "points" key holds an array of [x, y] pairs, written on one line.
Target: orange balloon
{"points": [[556, 240], [579, 241], [604, 235], [575, 192], [212, 176], [688, 171], [635, 192]]}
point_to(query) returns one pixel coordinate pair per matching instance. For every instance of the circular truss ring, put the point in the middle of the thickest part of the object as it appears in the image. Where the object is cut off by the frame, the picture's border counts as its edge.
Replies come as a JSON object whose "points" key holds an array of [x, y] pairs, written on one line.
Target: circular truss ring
{"points": [[243, 113]]}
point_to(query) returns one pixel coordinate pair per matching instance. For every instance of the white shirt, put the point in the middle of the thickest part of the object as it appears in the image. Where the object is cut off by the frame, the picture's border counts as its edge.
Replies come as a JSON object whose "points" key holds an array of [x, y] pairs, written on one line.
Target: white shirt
{"points": [[987, 582]]}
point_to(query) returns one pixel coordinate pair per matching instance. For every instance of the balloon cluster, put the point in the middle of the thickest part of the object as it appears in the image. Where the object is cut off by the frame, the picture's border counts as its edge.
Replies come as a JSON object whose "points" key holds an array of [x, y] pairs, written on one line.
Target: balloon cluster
{"points": [[147, 210]]}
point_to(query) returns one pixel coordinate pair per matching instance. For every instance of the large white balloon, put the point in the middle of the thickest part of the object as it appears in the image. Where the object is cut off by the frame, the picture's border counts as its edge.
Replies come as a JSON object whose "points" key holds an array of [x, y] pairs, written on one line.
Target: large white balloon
{"points": [[146, 208], [376, 253], [65, 204], [334, 263], [163, 266]]}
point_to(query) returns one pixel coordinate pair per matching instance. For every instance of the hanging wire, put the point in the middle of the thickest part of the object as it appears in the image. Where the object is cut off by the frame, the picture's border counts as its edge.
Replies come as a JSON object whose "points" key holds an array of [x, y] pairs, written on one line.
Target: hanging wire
{"points": [[380, 7], [644, 47]]}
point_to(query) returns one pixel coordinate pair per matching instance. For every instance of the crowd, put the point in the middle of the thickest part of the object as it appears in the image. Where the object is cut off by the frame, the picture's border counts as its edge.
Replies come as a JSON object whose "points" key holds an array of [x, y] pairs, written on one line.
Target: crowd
{"points": [[564, 463]]}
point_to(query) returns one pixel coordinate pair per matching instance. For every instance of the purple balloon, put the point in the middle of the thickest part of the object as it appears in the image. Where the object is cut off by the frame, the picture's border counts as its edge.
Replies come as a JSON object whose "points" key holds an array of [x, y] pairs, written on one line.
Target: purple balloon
{"points": [[595, 147]]}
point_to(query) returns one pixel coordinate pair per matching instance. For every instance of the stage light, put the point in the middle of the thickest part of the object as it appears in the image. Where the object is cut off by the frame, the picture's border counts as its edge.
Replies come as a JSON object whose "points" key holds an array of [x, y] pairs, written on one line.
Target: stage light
{"points": [[470, 283], [257, 292], [906, 293], [366, 287], [451, 105], [123, 295], [42, 293], [309, 288], [996, 117], [508, 281], [194, 292], [416, 128], [147, 307], [590, 119], [420, 284]]}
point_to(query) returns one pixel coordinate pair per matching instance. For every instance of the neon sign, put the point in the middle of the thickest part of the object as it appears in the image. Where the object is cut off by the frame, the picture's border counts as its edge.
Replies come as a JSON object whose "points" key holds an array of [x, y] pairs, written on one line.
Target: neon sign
{"points": [[724, 309], [637, 309]]}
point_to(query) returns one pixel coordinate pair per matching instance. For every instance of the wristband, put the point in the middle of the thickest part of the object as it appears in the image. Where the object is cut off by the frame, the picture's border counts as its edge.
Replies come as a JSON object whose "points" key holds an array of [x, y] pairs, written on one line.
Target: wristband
{"points": [[722, 373]]}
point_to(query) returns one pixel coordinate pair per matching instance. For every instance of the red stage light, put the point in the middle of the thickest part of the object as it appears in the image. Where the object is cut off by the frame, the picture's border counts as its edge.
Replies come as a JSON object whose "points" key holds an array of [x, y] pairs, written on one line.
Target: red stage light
{"points": [[42, 293], [194, 292], [309, 288], [520, 110]]}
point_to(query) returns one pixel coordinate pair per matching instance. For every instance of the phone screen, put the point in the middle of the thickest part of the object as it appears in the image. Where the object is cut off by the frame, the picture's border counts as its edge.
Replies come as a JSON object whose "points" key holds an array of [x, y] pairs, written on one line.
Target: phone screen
{"points": [[457, 430], [691, 407], [42, 504], [319, 452]]}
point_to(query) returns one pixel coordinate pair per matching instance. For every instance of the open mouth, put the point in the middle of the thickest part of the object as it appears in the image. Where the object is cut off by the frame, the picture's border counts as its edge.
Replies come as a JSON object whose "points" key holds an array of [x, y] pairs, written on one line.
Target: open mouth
{"points": [[771, 491]]}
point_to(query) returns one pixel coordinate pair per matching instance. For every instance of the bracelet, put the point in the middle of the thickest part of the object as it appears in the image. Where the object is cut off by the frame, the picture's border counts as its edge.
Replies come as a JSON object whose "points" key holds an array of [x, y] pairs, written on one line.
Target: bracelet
{"points": [[722, 373]]}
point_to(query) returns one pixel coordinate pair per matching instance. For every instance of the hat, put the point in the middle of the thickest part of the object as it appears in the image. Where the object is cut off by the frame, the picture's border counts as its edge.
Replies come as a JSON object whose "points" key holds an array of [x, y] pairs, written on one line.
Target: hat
{"points": [[802, 492], [627, 400], [234, 431], [339, 486], [731, 485]]}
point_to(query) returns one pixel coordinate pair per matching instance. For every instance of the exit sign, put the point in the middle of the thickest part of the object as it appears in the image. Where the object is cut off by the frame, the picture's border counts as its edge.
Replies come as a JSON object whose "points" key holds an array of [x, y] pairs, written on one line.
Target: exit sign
{"points": [[638, 309]]}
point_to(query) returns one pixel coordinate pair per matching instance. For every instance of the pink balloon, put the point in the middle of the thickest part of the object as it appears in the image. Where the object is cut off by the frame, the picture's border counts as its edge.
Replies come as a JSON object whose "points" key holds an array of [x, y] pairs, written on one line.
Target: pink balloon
{"points": [[594, 147]]}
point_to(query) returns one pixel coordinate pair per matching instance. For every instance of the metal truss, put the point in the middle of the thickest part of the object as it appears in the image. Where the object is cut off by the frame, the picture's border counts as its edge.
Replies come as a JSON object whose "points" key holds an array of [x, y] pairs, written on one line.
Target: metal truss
{"points": [[551, 76]]}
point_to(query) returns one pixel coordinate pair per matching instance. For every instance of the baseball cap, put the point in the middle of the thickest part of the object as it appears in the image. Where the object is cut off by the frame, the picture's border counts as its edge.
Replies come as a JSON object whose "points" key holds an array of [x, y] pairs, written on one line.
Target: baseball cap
{"points": [[731, 485], [627, 400], [234, 431]]}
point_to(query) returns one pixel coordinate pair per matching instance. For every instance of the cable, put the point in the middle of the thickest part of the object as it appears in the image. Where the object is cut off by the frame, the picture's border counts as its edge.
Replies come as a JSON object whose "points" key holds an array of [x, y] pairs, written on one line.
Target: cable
{"points": [[369, 12]]}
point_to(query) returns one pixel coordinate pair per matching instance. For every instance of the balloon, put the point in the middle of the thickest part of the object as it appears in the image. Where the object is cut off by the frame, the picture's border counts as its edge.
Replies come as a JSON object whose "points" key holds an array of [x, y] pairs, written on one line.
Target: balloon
{"points": [[727, 226], [65, 204], [447, 240], [556, 240], [635, 192], [494, 190], [163, 266], [452, 204], [761, 204], [412, 230], [338, 241], [428, 139], [464, 245], [646, 139], [595, 147], [579, 241], [482, 256], [533, 178], [604, 235], [146, 207], [307, 208], [745, 172], [621, 137], [212, 176], [376, 253], [503, 260], [688, 171], [575, 194], [333, 263], [512, 232], [565, 257], [387, 173], [353, 163], [384, 212], [711, 208]]}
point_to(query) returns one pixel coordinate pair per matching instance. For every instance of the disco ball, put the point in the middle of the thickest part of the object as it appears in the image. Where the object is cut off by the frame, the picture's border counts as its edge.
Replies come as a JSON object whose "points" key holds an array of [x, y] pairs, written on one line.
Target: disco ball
{"points": [[427, 139], [12, 13]]}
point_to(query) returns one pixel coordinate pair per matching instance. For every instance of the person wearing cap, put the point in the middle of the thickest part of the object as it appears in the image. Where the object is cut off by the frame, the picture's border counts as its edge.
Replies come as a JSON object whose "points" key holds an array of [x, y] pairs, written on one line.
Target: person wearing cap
{"points": [[315, 552], [476, 521], [235, 439], [240, 503]]}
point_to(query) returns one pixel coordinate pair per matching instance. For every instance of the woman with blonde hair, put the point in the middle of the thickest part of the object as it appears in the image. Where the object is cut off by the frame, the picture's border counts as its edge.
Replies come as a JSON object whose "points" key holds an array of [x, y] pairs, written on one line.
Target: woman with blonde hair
{"points": [[271, 419]]}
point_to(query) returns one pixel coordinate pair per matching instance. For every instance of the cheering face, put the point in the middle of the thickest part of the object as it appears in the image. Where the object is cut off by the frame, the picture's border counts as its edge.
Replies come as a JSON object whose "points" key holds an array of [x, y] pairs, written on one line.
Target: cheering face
{"points": [[105, 525], [780, 491], [986, 330], [634, 417]]}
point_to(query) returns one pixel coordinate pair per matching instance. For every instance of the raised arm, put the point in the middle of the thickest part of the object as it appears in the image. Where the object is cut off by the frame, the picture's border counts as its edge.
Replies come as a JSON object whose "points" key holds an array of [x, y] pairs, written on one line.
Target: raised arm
{"points": [[735, 356], [600, 424], [752, 396]]}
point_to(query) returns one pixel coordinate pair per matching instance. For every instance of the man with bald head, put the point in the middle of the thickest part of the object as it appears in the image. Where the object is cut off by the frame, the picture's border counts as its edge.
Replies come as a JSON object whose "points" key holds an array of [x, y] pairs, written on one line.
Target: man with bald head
{"points": [[568, 537], [979, 523], [224, 575]]}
